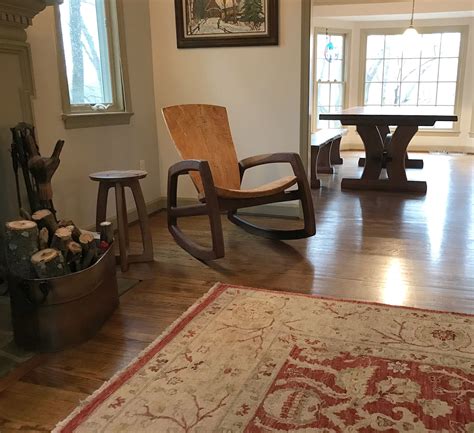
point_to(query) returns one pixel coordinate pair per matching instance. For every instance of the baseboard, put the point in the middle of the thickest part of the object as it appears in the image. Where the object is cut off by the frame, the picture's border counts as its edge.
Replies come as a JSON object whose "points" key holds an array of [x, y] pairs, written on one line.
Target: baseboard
{"points": [[425, 148], [132, 215], [279, 211]]}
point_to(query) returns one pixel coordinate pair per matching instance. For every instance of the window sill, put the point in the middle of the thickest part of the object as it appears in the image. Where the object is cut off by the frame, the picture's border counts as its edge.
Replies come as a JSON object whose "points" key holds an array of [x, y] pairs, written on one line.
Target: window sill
{"points": [[92, 120]]}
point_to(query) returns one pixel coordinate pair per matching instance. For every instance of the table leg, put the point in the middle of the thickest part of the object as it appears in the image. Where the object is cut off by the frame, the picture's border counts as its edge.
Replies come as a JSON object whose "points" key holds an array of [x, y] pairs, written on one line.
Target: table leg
{"points": [[395, 156], [386, 137], [396, 159], [409, 163]]}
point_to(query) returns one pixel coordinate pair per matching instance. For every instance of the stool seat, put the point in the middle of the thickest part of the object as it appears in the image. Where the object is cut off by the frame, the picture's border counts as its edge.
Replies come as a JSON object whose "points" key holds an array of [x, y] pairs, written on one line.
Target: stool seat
{"points": [[119, 180], [117, 175]]}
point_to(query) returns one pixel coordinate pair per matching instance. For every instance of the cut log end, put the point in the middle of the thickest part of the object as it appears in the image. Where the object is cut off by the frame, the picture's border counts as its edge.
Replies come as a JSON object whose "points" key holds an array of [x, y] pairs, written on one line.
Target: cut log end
{"points": [[40, 214], [44, 256], [63, 233], [20, 225]]}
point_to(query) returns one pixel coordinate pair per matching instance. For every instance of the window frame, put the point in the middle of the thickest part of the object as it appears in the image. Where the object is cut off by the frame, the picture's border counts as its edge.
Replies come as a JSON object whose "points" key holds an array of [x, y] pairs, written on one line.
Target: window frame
{"points": [[120, 111], [462, 29], [346, 34]]}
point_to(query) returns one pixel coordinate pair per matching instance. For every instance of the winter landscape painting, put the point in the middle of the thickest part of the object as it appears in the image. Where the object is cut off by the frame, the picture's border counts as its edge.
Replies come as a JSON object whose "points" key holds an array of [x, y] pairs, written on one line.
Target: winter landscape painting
{"points": [[217, 23]]}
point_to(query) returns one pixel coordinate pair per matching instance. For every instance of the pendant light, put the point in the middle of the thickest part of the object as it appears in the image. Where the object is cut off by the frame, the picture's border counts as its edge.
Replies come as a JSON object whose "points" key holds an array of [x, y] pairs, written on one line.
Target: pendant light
{"points": [[411, 34]]}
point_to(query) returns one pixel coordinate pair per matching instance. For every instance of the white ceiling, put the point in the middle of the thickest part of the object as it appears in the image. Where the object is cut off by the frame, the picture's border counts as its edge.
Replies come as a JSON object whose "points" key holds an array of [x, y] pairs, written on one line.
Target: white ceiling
{"points": [[369, 10]]}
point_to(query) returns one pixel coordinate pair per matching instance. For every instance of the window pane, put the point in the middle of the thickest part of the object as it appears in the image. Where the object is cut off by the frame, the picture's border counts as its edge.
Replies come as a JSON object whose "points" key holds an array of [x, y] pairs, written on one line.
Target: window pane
{"points": [[84, 32], [393, 46], [338, 42], [409, 94], [392, 70], [391, 94], [429, 70], [411, 70], [444, 125], [375, 46], [446, 94], [427, 95], [373, 70], [336, 94], [335, 72], [321, 45], [430, 45], [373, 94], [448, 69], [322, 70], [323, 94], [411, 48], [450, 43]]}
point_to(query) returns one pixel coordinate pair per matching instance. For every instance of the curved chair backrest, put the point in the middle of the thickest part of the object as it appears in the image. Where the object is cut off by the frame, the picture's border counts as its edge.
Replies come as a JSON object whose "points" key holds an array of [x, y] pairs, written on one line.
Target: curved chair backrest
{"points": [[203, 132]]}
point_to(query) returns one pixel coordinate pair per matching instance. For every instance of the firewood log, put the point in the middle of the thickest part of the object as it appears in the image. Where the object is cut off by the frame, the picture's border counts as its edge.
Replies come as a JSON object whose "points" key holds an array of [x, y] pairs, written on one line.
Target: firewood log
{"points": [[75, 232], [43, 238], [106, 232], [21, 240], [89, 249], [73, 257], [61, 239], [49, 263], [65, 223], [45, 218]]}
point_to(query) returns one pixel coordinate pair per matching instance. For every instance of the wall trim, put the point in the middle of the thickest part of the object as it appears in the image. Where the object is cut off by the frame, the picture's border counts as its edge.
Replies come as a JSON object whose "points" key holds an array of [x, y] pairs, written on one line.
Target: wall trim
{"points": [[425, 148], [159, 205]]}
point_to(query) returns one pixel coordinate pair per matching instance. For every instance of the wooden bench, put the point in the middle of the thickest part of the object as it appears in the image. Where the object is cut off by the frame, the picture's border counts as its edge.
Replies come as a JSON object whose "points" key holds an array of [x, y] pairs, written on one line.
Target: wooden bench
{"points": [[325, 148]]}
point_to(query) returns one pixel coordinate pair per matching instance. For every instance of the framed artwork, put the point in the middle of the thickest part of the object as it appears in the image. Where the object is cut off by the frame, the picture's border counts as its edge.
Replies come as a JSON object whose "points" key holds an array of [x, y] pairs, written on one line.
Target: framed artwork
{"points": [[226, 23]]}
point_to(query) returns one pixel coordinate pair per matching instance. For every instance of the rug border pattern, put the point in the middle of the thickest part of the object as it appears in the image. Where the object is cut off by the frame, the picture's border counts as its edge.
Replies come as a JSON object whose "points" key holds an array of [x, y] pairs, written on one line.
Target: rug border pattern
{"points": [[87, 406]]}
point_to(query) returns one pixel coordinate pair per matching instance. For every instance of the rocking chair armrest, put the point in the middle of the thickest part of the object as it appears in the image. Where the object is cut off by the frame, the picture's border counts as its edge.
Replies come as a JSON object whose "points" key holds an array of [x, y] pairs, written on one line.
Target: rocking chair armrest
{"points": [[184, 167], [272, 158], [187, 165]]}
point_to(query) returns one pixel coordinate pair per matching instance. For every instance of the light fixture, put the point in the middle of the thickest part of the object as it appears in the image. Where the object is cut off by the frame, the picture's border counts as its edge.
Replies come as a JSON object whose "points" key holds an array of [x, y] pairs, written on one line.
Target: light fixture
{"points": [[411, 34]]}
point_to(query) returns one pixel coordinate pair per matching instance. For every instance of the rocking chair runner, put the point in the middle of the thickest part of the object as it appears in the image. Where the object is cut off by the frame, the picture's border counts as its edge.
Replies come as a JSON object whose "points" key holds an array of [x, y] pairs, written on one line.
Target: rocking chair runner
{"points": [[202, 136]]}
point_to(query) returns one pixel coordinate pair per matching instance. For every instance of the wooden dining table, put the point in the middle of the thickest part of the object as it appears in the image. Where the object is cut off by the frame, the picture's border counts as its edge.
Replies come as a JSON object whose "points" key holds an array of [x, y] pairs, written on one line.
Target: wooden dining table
{"points": [[384, 149]]}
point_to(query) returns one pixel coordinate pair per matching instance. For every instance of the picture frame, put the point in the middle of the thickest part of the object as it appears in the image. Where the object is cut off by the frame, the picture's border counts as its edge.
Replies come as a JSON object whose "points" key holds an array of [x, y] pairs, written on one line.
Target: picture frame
{"points": [[226, 23]]}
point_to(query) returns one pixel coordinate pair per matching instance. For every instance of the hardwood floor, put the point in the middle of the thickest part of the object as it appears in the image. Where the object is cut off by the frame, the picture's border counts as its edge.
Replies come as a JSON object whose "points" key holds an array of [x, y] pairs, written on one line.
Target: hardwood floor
{"points": [[393, 248]]}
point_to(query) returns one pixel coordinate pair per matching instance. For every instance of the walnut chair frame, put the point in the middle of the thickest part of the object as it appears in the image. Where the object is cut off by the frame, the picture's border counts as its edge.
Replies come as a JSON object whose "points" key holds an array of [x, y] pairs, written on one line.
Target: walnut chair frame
{"points": [[218, 193]]}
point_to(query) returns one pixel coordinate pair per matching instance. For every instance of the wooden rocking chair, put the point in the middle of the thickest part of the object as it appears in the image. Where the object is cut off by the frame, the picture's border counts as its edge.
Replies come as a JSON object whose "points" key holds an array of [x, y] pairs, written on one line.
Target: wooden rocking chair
{"points": [[202, 136]]}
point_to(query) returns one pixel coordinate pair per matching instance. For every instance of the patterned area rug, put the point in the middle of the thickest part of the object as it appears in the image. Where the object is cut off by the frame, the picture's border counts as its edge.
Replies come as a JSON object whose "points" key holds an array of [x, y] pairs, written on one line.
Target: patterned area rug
{"points": [[248, 360]]}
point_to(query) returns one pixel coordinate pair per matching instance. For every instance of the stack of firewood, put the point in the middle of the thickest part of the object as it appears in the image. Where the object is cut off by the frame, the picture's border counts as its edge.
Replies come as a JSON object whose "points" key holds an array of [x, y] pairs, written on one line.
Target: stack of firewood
{"points": [[42, 247]]}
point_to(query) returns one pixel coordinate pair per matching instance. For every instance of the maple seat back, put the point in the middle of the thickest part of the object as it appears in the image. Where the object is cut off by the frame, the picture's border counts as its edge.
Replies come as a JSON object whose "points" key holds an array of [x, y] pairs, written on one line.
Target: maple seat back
{"points": [[202, 132]]}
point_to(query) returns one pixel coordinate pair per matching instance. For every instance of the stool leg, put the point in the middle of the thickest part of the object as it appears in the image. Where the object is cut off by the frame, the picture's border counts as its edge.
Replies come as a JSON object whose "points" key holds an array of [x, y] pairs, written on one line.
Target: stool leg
{"points": [[101, 213], [122, 228], [143, 220], [125, 219]]}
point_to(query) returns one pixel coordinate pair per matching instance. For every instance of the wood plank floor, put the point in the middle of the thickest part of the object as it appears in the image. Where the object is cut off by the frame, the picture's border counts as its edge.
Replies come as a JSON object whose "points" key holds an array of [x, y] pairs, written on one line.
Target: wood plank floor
{"points": [[391, 248]]}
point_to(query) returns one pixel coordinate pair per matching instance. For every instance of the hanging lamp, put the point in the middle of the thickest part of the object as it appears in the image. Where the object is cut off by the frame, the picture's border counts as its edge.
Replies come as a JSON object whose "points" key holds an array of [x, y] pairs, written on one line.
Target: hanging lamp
{"points": [[411, 34]]}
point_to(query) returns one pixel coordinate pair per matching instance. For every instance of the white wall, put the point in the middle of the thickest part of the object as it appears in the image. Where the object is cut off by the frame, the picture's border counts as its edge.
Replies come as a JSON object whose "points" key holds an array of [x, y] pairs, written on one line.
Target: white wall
{"points": [[260, 86], [102, 148], [461, 142]]}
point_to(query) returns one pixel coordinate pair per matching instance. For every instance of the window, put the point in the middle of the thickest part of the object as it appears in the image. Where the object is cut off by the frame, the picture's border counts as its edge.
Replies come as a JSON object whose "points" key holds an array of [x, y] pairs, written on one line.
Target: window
{"points": [[92, 71], [330, 77], [421, 74]]}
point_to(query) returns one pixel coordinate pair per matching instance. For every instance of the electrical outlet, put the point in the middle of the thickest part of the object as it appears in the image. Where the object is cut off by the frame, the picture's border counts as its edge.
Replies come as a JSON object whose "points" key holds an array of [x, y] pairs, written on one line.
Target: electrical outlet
{"points": [[142, 165]]}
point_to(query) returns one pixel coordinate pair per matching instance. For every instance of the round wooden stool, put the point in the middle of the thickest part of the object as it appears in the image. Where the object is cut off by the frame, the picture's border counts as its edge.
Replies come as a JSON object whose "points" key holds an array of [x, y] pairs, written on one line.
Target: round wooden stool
{"points": [[120, 179]]}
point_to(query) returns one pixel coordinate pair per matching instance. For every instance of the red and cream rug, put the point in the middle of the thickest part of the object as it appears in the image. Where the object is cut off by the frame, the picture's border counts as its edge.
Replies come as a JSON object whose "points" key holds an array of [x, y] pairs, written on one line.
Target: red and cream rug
{"points": [[250, 360]]}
